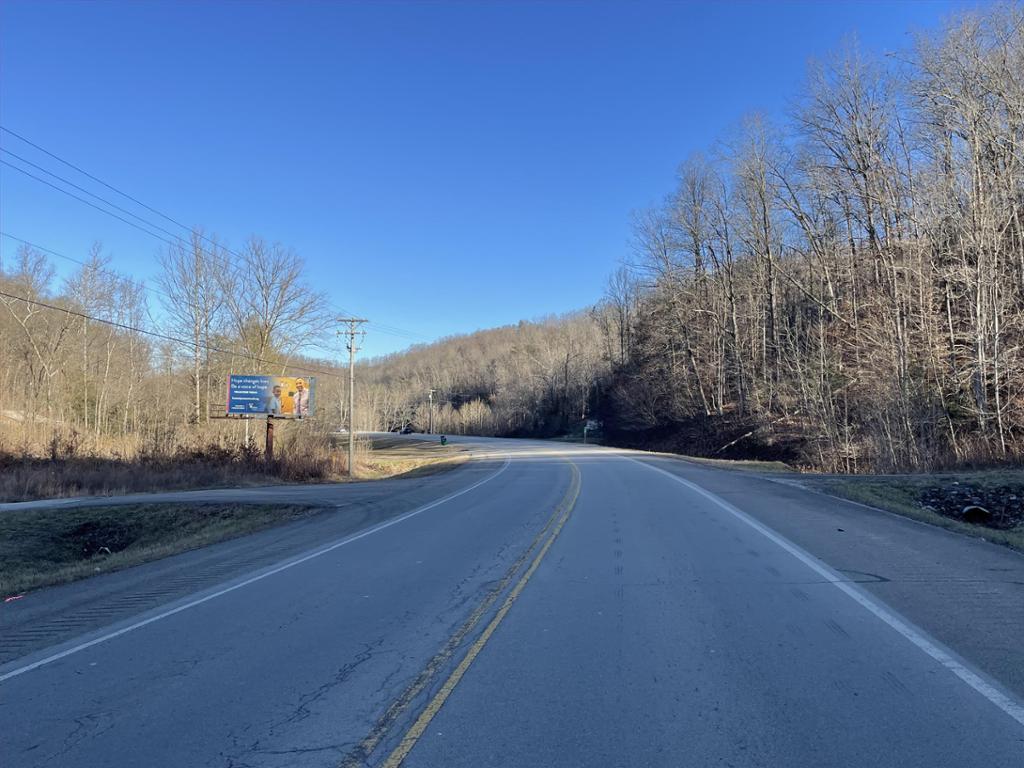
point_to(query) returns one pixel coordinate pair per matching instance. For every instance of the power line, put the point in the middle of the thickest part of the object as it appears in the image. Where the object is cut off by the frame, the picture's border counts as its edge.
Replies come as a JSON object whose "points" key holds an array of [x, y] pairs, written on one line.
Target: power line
{"points": [[165, 337], [72, 184], [105, 270], [179, 240], [98, 180], [383, 328], [391, 330], [90, 204]]}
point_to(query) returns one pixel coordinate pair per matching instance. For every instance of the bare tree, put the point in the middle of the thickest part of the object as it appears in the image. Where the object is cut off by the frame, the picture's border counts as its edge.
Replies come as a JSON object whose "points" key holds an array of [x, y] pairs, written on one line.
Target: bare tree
{"points": [[274, 310], [193, 283]]}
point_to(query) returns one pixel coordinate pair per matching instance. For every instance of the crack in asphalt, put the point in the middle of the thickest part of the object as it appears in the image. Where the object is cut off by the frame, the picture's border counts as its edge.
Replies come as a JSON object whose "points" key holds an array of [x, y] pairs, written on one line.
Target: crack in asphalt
{"points": [[244, 750], [302, 711]]}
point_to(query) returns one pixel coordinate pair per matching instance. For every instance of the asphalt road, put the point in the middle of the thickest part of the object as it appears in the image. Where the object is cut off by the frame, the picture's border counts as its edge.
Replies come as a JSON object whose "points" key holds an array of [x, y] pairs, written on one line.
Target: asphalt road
{"points": [[544, 605]]}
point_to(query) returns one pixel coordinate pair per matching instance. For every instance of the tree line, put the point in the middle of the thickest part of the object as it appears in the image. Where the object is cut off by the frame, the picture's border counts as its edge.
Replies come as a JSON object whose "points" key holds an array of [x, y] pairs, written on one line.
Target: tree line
{"points": [[530, 379], [844, 289], [852, 280], [109, 358]]}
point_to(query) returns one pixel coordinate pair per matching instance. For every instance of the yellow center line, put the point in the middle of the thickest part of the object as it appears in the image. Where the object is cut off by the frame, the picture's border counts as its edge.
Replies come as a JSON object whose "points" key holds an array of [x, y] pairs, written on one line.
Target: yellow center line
{"points": [[358, 756], [423, 721]]}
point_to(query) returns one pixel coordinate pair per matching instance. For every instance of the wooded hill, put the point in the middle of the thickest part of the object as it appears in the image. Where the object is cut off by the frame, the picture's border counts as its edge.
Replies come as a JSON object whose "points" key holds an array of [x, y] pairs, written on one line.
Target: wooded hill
{"points": [[844, 290]]}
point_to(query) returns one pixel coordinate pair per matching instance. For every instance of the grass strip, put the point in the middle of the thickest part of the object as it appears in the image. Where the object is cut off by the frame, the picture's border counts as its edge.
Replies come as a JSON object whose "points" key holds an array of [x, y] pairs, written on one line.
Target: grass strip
{"points": [[405, 457], [43, 547], [902, 493]]}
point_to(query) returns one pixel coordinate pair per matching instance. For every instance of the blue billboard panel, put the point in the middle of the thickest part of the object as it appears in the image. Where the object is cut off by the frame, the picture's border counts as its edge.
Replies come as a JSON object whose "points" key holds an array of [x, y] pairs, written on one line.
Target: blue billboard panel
{"points": [[286, 397]]}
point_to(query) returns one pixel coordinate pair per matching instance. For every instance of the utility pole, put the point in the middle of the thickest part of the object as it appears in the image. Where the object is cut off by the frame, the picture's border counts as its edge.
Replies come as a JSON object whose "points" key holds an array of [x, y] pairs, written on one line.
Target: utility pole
{"points": [[352, 332], [430, 421]]}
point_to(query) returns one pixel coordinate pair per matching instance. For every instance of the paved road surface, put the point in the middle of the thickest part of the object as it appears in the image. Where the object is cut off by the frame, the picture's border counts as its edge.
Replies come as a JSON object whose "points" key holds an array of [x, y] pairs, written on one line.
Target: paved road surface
{"points": [[545, 605]]}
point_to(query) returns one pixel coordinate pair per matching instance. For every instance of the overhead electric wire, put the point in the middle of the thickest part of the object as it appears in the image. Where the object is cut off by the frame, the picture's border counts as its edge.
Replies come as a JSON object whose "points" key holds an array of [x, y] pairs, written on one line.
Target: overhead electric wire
{"points": [[166, 337], [98, 180], [72, 184], [90, 204], [103, 270], [383, 328], [180, 240]]}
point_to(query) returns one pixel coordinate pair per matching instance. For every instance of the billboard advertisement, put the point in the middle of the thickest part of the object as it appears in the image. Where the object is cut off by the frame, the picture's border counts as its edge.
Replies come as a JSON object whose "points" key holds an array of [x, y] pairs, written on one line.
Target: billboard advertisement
{"points": [[286, 397]]}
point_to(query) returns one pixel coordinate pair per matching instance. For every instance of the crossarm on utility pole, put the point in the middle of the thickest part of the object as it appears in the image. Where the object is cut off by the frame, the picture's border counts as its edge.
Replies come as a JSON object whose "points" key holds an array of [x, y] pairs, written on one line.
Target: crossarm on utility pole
{"points": [[352, 331]]}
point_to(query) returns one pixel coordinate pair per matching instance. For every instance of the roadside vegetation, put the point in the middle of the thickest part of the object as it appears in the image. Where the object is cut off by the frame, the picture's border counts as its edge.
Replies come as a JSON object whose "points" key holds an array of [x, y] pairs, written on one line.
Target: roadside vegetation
{"points": [[65, 466], [408, 457], [43, 547], [841, 290], [748, 465], [989, 504]]}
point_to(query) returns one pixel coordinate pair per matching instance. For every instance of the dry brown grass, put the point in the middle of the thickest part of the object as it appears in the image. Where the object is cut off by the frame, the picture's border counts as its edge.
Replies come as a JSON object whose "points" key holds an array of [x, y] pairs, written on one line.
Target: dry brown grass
{"points": [[749, 465], [52, 463], [63, 463], [392, 457]]}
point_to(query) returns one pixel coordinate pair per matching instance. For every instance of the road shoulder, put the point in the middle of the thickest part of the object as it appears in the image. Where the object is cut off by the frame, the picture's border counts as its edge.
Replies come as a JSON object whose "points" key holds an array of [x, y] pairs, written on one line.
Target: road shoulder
{"points": [[55, 614], [966, 592]]}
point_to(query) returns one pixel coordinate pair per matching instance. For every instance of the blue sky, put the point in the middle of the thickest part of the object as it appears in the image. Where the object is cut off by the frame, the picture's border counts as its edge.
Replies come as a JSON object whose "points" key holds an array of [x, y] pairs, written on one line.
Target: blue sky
{"points": [[441, 167]]}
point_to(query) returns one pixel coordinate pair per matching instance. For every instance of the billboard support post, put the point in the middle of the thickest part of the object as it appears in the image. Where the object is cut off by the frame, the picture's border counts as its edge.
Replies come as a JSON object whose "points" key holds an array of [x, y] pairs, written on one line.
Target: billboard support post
{"points": [[270, 438]]}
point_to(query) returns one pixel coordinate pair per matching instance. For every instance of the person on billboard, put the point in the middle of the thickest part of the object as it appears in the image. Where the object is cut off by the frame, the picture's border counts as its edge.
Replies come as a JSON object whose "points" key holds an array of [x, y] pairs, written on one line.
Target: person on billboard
{"points": [[300, 399], [273, 403]]}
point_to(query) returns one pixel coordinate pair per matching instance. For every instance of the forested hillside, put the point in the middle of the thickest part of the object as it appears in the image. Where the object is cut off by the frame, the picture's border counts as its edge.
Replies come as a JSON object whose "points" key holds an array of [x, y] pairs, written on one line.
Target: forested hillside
{"points": [[844, 289], [532, 379], [88, 370]]}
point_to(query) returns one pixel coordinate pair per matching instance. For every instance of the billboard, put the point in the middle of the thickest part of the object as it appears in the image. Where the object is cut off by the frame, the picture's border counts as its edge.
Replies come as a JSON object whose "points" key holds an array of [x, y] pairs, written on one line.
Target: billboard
{"points": [[286, 397]]}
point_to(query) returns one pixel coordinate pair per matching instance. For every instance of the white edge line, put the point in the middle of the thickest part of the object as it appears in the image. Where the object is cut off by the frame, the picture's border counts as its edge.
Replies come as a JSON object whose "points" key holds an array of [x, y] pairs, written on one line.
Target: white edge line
{"points": [[917, 636], [252, 580]]}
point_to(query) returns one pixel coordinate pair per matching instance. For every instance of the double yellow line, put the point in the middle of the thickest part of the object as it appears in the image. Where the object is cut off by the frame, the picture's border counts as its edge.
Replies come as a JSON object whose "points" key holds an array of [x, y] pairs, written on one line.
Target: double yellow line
{"points": [[551, 530]]}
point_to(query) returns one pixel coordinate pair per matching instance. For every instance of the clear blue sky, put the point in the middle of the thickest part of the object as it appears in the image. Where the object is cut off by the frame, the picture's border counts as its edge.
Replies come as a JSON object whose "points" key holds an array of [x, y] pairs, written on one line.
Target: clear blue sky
{"points": [[441, 167]]}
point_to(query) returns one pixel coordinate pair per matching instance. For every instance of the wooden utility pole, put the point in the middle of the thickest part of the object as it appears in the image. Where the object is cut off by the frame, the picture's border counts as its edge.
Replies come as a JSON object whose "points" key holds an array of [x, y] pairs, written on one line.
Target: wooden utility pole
{"points": [[430, 418], [352, 331]]}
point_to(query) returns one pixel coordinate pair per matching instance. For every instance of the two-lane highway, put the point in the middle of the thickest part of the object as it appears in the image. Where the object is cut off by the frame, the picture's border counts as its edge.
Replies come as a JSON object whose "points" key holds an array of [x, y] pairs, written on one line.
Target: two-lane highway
{"points": [[562, 606]]}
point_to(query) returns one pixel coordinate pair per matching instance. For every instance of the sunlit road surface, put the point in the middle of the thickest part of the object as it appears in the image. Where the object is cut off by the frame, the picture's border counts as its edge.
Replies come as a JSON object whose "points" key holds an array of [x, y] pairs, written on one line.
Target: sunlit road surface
{"points": [[546, 605]]}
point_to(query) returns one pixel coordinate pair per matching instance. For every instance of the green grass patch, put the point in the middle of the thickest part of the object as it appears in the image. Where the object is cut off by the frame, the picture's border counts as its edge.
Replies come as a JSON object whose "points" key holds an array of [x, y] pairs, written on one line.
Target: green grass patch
{"points": [[748, 465], [902, 494], [42, 547]]}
